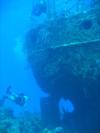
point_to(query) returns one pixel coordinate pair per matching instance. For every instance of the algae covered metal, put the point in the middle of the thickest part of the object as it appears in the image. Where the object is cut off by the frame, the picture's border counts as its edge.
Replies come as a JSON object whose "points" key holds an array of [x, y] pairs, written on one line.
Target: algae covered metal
{"points": [[65, 46], [64, 54]]}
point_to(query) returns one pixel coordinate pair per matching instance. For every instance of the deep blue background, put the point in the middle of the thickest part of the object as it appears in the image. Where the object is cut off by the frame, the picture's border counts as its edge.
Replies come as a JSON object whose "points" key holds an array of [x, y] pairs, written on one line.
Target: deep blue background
{"points": [[14, 68]]}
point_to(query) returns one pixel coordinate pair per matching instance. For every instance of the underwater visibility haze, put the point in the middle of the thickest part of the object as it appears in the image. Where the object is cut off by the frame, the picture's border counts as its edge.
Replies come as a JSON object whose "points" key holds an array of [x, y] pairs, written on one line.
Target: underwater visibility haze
{"points": [[50, 66], [15, 70]]}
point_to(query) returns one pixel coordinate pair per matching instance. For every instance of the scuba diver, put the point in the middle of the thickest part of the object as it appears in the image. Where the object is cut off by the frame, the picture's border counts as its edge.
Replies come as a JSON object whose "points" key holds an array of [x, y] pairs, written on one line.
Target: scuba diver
{"points": [[20, 99], [40, 8]]}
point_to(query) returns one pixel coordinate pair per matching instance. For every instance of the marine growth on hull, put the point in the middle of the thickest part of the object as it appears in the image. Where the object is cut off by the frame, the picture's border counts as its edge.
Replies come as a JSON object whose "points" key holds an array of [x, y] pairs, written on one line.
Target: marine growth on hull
{"points": [[64, 53]]}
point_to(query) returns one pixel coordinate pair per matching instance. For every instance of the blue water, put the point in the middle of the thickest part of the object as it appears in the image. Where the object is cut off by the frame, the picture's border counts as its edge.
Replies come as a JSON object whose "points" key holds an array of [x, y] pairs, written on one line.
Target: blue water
{"points": [[14, 68]]}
